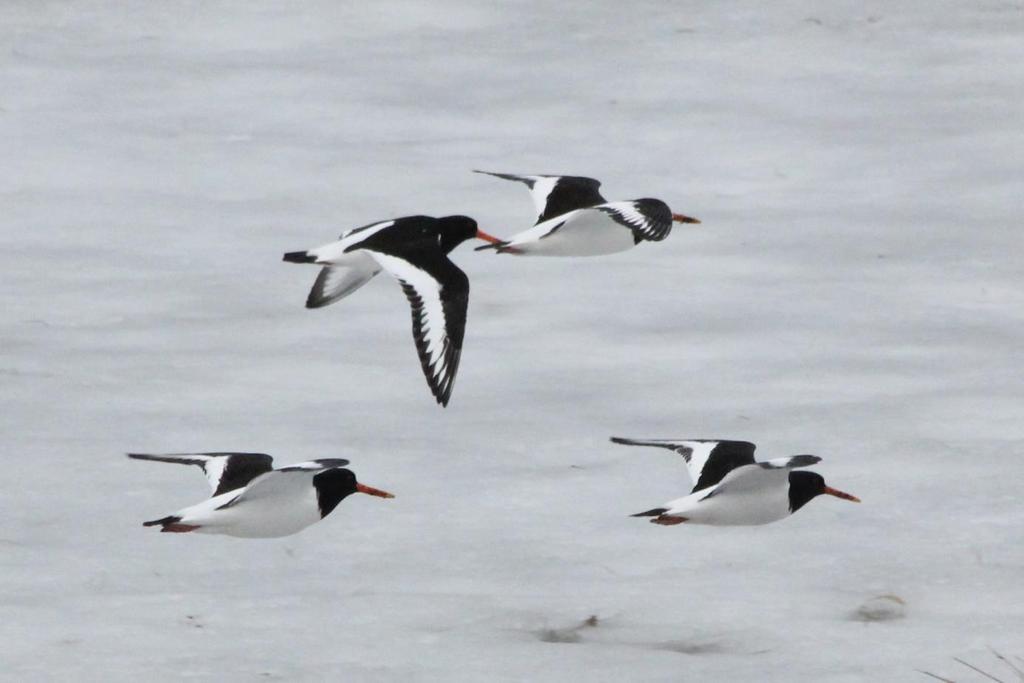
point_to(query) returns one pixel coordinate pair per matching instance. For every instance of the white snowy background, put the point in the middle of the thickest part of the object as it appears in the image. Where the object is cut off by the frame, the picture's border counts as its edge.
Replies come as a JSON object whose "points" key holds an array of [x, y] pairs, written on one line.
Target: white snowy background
{"points": [[854, 291]]}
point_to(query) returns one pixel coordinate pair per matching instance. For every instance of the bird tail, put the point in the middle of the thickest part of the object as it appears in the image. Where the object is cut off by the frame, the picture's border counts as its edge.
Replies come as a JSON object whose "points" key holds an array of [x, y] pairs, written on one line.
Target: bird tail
{"points": [[653, 512], [163, 521], [497, 246], [299, 257], [501, 248], [171, 524]]}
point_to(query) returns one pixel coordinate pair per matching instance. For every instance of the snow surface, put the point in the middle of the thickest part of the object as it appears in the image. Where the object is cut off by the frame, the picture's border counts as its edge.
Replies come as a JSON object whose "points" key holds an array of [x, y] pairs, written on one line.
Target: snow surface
{"points": [[854, 291]]}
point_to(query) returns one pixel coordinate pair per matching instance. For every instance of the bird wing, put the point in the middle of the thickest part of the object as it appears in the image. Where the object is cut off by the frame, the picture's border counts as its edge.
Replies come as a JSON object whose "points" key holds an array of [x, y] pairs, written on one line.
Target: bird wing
{"points": [[707, 461], [649, 219], [285, 483], [755, 476], [224, 471], [337, 282], [355, 235], [554, 195], [438, 293], [315, 465], [537, 232], [338, 252], [790, 462]]}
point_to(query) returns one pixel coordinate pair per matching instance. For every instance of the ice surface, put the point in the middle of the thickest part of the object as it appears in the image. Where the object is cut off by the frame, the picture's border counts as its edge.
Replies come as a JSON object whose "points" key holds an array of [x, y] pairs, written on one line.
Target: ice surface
{"points": [[854, 291]]}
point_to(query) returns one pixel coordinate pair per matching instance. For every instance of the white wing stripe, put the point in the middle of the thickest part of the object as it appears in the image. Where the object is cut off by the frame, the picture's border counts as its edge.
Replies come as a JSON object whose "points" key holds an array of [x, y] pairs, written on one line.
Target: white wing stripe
{"points": [[360, 234], [214, 469], [545, 229], [540, 192], [696, 456], [627, 212], [431, 314]]}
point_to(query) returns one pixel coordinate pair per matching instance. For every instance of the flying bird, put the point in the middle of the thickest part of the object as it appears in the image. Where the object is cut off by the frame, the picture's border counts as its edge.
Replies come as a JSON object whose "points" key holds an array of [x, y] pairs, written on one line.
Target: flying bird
{"points": [[573, 219], [731, 489], [253, 500], [414, 250]]}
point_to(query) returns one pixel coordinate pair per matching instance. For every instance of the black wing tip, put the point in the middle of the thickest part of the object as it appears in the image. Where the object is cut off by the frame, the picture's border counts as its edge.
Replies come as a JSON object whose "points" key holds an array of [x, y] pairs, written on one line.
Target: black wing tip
{"points": [[505, 176], [156, 457], [330, 463], [313, 301], [442, 385], [316, 297], [335, 462], [299, 257], [525, 180], [442, 389], [653, 512], [662, 443], [528, 177]]}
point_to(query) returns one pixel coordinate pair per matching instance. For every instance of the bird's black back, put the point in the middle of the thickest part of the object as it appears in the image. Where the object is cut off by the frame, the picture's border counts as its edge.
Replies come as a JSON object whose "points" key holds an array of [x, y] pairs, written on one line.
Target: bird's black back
{"points": [[571, 193]]}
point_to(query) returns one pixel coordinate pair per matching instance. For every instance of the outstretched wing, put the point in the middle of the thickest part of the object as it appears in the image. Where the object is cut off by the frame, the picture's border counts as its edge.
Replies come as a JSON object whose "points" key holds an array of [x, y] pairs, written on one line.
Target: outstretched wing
{"points": [[225, 471], [289, 483], [533, 234], [707, 461], [315, 465], [438, 294], [649, 219], [790, 462], [753, 477], [364, 231], [337, 282], [554, 195]]}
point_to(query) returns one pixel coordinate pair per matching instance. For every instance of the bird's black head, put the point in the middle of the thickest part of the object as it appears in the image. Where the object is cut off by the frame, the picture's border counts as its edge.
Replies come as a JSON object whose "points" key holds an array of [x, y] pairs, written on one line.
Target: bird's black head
{"points": [[454, 230], [803, 486], [336, 484]]}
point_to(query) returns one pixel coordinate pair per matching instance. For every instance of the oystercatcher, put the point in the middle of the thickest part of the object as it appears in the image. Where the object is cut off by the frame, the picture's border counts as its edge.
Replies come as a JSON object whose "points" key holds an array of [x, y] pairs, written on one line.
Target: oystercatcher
{"points": [[731, 489], [573, 219], [253, 500], [414, 250]]}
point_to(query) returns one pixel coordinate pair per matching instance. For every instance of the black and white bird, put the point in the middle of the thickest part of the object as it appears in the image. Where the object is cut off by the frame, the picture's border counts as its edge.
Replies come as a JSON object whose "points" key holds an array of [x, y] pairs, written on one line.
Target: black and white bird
{"points": [[253, 500], [414, 250], [731, 489], [573, 219]]}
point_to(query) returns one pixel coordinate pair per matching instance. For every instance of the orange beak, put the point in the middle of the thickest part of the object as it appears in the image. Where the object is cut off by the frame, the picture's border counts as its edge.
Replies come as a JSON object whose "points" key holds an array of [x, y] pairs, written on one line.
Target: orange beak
{"points": [[840, 494], [680, 218], [481, 235], [369, 490]]}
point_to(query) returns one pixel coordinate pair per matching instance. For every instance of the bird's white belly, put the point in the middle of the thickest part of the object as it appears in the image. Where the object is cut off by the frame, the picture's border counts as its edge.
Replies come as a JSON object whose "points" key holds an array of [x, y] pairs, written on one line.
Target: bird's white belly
{"points": [[265, 518], [589, 233], [739, 509]]}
